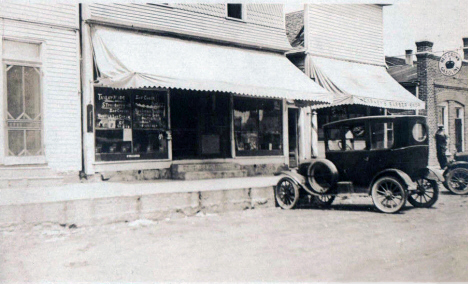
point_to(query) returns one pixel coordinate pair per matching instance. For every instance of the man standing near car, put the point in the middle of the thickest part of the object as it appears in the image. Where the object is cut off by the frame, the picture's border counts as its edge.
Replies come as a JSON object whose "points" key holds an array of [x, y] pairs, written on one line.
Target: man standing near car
{"points": [[441, 144]]}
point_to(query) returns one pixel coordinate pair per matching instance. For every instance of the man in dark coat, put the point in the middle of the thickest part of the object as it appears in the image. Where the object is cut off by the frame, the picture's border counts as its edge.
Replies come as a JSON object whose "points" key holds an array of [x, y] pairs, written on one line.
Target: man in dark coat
{"points": [[441, 144]]}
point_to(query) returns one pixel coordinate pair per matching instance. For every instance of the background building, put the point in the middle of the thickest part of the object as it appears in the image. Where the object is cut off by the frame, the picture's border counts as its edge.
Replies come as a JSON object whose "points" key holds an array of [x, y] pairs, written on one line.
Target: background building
{"points": [[341, 48], [446, 96]]}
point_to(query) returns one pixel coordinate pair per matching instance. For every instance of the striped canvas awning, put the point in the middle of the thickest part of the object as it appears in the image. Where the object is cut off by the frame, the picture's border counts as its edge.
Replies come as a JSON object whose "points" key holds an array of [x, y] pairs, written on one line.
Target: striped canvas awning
{"points": [[363, 84], [129, 60]]}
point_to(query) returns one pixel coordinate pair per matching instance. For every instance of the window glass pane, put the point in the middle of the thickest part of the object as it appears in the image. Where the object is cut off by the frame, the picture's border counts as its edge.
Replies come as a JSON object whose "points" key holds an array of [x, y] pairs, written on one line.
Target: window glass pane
{"points": [[15, 142], [234, 11], [355, 137], [382, 135], [419, 132], [32, 91], [258, 126], [270, 125], [21, 50], [33, 142], [15, 91], [334, 139], [246, 124], [130, 124]]}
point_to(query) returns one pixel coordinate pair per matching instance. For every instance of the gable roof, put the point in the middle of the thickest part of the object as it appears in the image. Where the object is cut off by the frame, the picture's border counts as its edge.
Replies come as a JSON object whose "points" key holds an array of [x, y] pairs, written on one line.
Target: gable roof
{"points": [[400, 71]]}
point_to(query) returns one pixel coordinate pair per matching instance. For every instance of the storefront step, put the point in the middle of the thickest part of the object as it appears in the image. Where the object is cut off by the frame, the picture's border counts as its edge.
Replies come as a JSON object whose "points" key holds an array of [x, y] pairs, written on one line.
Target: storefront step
{"points": [[209, 174], [202, 167], [37, 181]]}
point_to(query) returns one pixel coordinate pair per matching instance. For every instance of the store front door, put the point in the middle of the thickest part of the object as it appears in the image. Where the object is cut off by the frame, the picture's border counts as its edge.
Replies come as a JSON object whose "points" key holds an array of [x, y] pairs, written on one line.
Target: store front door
{"points": [[200, 125]]}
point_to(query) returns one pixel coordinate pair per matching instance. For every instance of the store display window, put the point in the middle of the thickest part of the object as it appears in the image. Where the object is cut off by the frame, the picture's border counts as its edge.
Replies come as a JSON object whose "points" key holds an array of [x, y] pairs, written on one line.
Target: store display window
{"points": [[130, 124], [258, 126]]}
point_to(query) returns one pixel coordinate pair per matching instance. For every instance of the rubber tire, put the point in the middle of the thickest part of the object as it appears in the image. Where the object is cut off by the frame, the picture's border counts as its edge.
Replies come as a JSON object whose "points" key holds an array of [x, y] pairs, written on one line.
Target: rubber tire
{"points": [[323, 204], [449, 176], [333, 178], [295, 190], [374, 194], [431, 202]]}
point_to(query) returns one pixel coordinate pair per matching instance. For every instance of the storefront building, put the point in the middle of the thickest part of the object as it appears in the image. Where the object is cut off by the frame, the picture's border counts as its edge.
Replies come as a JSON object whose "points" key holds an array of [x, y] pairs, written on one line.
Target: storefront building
{"points": [[171, 84], [40, 132], [340, 47]]}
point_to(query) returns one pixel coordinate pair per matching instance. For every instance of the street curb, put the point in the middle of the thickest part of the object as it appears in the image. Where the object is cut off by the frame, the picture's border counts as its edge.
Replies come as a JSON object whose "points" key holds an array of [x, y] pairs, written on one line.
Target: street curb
{"points": [[154, 206]]}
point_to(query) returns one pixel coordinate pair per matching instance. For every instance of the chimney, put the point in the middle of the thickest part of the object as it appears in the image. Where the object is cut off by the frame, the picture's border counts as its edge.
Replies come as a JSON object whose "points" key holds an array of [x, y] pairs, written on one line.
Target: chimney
{"points": [[465, 48], [409, 57], [424, 46]]}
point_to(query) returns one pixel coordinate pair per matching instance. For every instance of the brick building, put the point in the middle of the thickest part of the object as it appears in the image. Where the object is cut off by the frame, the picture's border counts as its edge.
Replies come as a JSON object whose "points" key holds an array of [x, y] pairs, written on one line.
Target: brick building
{"points": [[446, 97]]}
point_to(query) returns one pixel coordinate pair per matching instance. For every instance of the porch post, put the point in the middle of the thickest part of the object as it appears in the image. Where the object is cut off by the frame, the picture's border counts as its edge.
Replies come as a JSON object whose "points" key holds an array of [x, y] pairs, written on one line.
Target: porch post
{"points": [[314, 134], [88, 92], [285, 133]]}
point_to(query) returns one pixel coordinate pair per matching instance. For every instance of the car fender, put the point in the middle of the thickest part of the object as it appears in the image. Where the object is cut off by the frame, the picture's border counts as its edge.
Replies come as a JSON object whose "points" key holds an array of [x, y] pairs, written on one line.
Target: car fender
{"points": [[408, 182], [432, 173], [457, 164], [295, 176]]}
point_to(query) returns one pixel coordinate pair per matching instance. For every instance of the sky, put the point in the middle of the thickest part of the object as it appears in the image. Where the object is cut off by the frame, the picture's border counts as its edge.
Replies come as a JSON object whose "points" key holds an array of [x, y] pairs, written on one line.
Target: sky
{"points": [[444, 22]]}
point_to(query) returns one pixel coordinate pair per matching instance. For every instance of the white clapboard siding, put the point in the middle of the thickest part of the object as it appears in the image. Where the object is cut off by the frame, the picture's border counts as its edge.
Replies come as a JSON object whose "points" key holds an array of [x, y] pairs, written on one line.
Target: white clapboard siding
{"points": [[270, 15], [61, 80], [60, 14], [349, 32], [208, 20]]}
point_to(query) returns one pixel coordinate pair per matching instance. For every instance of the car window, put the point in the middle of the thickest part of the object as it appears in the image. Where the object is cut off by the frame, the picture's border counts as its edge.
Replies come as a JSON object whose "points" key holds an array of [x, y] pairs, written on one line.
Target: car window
{"points": [[334, 139], [419, 132], [356, 137], [382, 135]]}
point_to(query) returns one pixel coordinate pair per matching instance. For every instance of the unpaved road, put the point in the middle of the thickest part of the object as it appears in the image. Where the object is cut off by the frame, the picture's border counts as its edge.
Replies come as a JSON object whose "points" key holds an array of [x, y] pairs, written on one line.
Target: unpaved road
{"points": [[350, 242]]}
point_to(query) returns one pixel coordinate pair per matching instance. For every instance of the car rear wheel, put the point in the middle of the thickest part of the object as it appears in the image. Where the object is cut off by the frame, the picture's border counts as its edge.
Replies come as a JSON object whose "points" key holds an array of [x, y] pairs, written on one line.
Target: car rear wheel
{"points": [[324, 200], [286, 193], [426, 193], [388, 194], [457, 181]]}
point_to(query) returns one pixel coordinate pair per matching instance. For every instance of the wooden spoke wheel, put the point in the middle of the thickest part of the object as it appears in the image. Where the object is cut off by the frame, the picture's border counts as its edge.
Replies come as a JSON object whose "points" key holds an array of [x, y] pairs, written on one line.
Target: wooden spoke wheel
{"points": [[457, 181], [388, 194], [287, 193], [324, 200], [426, 193]]}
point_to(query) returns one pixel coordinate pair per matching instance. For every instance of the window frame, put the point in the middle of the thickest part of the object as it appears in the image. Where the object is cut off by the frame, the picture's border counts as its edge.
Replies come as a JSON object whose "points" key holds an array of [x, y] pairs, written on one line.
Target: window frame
{"points": [[385, 133], [243, 12], [258, 152], [29, 62], [134, 156]]}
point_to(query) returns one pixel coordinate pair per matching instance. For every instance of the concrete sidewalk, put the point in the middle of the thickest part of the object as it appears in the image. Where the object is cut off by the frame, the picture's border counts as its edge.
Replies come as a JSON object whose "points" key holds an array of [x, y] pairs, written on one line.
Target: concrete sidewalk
{"points": [[104, 202]]}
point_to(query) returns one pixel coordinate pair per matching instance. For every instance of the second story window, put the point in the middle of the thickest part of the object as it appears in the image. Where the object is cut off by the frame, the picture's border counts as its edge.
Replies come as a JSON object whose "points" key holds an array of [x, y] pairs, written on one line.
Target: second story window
{"points": [[234, 11]]}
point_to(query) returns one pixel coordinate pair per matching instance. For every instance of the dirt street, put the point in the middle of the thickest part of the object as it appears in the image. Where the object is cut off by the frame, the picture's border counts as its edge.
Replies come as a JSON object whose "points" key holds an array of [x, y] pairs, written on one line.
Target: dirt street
{"points": [[350, 242]]}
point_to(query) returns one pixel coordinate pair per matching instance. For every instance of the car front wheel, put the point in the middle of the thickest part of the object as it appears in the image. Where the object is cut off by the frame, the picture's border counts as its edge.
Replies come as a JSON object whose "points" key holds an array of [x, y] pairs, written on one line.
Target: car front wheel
{"points": [[286, 193], [388, 194], [426, 193], [457, 181]]}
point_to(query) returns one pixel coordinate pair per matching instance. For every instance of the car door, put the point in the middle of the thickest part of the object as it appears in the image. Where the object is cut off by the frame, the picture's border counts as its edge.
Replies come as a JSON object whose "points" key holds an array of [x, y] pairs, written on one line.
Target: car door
{"points": [[381, 144]]}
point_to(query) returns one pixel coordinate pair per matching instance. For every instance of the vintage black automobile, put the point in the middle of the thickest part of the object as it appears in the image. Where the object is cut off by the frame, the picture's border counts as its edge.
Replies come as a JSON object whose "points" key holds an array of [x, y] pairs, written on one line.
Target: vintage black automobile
{"points": [[385, 157], [456, 174]]}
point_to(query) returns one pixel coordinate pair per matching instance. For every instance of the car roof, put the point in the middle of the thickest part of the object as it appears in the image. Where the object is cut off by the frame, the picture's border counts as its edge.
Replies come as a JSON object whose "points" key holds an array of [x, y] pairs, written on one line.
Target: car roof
{"points": [[372, 118]]}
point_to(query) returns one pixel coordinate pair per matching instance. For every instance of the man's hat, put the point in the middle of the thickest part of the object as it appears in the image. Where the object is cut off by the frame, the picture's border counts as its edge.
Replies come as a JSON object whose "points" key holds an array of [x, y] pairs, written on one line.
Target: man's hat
{"points": [[440, 126]]}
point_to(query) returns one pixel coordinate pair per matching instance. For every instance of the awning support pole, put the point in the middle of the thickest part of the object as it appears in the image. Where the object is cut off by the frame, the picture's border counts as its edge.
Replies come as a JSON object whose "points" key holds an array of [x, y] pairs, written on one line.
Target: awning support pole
{"points": [[314, 134]]}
